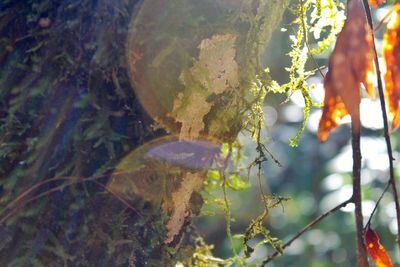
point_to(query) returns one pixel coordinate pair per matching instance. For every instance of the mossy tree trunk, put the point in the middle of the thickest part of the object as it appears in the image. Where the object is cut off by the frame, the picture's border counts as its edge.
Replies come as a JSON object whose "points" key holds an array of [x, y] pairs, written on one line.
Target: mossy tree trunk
{"points": [[73, 104]]}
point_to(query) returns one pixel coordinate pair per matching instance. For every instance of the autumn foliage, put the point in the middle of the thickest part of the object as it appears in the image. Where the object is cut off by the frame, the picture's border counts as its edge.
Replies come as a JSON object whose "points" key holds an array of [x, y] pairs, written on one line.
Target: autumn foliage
{"points": [[391, 53], [376, 251], [350, 64], [376, 3]]}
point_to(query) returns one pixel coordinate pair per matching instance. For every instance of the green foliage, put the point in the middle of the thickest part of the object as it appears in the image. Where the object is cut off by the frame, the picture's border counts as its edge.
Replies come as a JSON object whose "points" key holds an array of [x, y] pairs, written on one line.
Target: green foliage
{"points": [[316, 22], [257, 227], [259, 91], [202, 256], [221, 181], [306, 112]]}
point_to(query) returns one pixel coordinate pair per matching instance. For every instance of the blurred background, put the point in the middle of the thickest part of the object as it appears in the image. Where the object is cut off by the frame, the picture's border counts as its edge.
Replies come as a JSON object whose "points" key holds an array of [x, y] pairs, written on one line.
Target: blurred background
{"points": [[316, 177], [67, 109]]}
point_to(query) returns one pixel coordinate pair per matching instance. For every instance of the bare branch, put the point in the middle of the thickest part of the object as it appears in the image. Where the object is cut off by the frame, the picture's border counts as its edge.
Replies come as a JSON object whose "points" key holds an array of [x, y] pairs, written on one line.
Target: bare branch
{"points": [[15, 205], [306, 228], [362, 256], [392, 180]]}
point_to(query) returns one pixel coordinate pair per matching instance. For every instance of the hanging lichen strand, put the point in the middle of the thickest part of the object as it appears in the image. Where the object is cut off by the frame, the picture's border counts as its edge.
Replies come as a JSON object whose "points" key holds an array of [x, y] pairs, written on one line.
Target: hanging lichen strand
{"points": [[316, 26]]}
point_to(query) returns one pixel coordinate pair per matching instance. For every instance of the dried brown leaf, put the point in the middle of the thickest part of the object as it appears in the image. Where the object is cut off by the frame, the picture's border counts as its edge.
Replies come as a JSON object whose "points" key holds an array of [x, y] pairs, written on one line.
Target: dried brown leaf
{"points": [[391, 54], [376, 250], [349, 65]]}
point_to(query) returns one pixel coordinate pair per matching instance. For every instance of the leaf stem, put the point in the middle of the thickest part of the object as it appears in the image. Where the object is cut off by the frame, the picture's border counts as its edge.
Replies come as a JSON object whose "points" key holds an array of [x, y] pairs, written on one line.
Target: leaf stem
{"points": [[392, 180]]}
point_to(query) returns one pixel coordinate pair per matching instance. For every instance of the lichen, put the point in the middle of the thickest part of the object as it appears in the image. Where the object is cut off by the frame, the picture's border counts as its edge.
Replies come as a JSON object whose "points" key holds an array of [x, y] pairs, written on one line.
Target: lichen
{"points": [[165, 173], [178, 58], [190, 114], [214, 72], [192, 182], [216, 69]]}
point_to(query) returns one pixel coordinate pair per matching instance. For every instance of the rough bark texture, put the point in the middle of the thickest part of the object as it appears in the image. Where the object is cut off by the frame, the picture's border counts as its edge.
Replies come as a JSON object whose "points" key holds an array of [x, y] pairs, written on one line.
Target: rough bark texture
{"points": [[193, 69], [199, 57], [68, 109]]}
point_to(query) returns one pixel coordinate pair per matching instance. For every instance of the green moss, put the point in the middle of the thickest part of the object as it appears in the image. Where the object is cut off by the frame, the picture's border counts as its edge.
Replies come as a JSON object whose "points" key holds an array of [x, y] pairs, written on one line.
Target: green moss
{"points": [[172, 58]]}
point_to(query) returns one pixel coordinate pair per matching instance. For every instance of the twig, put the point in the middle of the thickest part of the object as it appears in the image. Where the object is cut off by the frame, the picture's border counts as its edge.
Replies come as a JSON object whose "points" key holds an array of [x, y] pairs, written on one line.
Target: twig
{"points": [[227, 211], [362, 258], [385, 18], [61, 187], [376, 205], [392, 180], [29, 190], [30, 200], [16, 204], [126, 203], [306, 228], [25, 193]]}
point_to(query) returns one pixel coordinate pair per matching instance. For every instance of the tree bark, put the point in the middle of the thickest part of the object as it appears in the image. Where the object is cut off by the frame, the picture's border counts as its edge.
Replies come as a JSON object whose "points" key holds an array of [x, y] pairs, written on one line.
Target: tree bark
{"points": [[79, 49]]}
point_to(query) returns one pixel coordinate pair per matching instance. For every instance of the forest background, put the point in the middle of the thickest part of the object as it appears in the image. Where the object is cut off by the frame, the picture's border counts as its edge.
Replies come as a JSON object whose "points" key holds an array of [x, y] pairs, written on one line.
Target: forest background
{"points": [[68, 110]]}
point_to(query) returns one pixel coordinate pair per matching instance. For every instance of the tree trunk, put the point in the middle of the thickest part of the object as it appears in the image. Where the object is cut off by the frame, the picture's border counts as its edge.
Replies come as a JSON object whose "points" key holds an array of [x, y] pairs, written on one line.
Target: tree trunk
{"points": [[124, 103]]}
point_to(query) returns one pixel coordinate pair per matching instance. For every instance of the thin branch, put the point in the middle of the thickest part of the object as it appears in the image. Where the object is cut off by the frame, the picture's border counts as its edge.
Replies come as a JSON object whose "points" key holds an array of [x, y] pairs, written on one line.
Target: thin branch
{"points": [[29, 190], [222, 169], [126, 203], [376, 205], [306, 228], [392, 180], [362, 257], [16, 204], [259, 163], [386, 17], [21, 196], [30, 200], [227, 211], [59, 188]]}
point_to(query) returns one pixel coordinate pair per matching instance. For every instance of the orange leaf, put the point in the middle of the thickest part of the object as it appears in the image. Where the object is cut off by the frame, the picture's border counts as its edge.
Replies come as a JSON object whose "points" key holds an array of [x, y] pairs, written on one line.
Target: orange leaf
{"points": [[376, 250], [376, 3], [349, 65], [391, 54]]}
